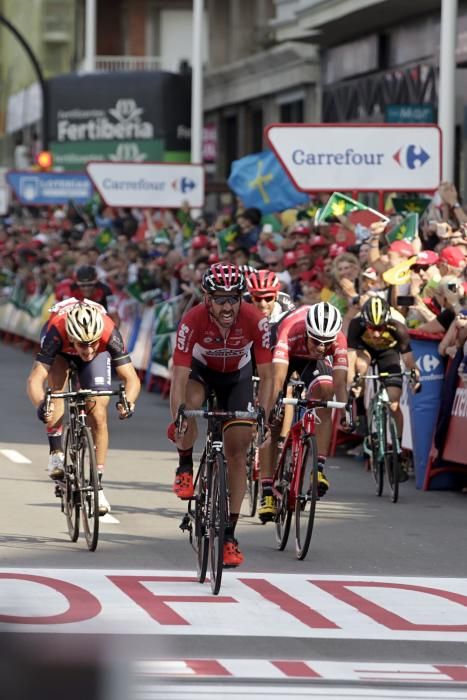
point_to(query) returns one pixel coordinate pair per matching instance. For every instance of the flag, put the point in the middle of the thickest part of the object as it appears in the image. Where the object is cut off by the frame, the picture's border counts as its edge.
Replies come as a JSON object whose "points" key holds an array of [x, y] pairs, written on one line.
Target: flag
{"points": [[225, 237], [410, 205], [340, 205], [261, 182], [186, 222], [405, 231], [103, 239]]}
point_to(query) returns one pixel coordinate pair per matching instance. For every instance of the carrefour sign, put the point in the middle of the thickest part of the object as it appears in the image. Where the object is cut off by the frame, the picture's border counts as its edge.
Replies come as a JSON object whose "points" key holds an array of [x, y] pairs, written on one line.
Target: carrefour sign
{"points": [[148, 184], [320, 157]]}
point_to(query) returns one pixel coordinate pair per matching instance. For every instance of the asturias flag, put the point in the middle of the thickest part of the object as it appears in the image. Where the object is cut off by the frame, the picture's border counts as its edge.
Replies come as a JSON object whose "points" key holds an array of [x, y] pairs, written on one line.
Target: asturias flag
{"points": [[405, 231], [260, 181], [340, 204]]}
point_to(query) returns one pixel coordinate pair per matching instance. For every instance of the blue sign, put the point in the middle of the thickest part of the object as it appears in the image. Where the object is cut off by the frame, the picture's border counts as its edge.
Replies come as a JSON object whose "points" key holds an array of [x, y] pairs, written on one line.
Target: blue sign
{"points": [[425, 405], [409, 114], [39, 189]]}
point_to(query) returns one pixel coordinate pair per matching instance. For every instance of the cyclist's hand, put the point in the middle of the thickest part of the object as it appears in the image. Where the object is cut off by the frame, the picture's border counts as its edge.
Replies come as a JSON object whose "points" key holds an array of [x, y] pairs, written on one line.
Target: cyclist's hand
{"points": [[172, 432], [355, 391], [346, 421], [43, 413], [415, 383], [277, 412], [125, 413], [181, 423]]}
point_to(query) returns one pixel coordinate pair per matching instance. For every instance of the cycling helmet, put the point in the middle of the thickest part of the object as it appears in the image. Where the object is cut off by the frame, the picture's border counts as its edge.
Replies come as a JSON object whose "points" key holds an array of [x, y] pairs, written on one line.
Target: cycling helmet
{"points": [[223, 277], [376, 311], [262, 282], [86, 275], [323, 321], [84, 323]]}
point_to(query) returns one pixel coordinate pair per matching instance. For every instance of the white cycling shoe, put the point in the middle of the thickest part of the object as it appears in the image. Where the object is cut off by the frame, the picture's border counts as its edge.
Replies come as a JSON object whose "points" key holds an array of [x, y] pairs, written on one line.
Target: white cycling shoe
{"points": [[55, 468], [104, 505]]}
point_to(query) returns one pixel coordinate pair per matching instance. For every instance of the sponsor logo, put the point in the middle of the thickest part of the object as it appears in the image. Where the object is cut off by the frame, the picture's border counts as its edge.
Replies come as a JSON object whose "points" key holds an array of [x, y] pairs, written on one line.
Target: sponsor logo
{"points": [[99, 381], [349, 157], [128, 151], [184, 184], [224, 352], [411, 157], [207, 340], [122, 122], [182, 337], [459, 407], [428, 363]]}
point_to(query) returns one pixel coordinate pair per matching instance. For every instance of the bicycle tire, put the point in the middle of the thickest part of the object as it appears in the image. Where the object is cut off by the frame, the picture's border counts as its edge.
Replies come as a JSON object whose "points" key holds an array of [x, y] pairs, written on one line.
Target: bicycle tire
{"points": [[376, 461], [201, 520], [305, 503], [283, 517], [70, 491], [89, 488], [392, 462], [252, 484], [218, 520]]}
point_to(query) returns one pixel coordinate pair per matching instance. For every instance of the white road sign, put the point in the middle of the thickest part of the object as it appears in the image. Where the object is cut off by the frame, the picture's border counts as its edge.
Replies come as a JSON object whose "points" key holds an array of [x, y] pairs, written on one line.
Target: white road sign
{"points": [[148, 184], [359, 156]]}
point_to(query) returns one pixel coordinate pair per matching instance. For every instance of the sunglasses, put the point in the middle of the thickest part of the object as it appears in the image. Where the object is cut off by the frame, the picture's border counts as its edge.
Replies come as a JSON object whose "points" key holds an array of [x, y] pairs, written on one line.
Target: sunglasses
{"points": [[417, 268], [321, 341], [221, 300], [453, 287], [266, 299], [78, 344]]}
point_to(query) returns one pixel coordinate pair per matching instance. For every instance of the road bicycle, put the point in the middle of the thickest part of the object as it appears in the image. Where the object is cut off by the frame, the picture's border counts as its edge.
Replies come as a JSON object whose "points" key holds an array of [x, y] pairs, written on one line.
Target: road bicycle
{"points": [[78, 490], [252, 463], [295, 484], [381, 443], [208, 511]]}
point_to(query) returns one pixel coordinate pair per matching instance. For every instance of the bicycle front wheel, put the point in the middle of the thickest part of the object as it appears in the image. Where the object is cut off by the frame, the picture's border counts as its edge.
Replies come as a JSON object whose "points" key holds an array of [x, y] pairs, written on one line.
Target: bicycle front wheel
{"points": [[70, 492], [392, 460], [307, 497], [283, 516], [218, 520], [252, 483], [89, 488], [201, 520], [376, 453]]}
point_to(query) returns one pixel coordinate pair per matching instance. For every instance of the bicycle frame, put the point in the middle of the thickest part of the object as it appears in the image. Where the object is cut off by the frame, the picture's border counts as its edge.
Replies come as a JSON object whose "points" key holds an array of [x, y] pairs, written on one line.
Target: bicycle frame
{"points": [[301, 431]]}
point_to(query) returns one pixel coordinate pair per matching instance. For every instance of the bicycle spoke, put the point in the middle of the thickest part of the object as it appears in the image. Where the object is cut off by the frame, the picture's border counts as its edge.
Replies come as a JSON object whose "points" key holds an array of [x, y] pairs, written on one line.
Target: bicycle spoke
{"points": [[201, 520], [88, 486], [252, 479], [376, 452], [283, 516], [218, 518], [307, 497]]}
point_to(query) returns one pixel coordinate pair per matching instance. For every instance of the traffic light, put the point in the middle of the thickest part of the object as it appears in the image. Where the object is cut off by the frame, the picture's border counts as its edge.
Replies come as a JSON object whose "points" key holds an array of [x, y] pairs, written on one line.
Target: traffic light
{"points": [[44, 160]]}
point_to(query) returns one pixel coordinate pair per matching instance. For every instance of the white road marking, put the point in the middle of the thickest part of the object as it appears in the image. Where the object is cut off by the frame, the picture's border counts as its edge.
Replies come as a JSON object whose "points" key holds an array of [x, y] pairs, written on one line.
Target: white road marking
{"points": [[15, 456], [109, 519]]}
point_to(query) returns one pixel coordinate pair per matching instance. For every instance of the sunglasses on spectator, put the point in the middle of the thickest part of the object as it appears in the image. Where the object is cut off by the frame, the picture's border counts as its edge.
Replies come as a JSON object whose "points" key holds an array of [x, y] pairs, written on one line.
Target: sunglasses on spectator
{"points": [[266, 299], [221, 300], [417, 268]]}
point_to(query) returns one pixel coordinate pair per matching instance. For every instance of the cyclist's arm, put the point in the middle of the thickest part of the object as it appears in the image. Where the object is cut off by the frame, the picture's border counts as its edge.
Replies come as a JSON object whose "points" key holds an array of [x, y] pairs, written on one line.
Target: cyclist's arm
{"points": [[409, 360], [352, 360], [35, 385], [339, 380], [127, 374], [280, 375], [265, 391], [178, 384]]}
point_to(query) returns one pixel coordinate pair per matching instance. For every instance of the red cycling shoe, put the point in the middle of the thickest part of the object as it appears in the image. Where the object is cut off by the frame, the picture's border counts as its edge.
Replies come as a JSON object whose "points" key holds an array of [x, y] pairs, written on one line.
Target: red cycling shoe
{"points": [[183, 485], [232, 555]]}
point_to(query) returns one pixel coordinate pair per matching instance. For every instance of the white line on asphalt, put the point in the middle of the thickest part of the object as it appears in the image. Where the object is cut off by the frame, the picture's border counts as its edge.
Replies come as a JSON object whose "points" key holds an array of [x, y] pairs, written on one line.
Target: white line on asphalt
{"points": [[15, 456]]}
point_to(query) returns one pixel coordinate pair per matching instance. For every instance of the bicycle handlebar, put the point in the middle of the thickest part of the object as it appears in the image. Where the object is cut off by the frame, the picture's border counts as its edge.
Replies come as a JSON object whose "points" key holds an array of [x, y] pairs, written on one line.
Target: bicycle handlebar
{"points": [[90, 393], [314, 403], [256, 415]]}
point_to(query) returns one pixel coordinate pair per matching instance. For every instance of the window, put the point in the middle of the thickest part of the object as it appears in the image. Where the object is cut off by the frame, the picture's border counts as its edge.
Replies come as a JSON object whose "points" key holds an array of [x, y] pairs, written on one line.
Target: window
{"points": [[292, 112]]}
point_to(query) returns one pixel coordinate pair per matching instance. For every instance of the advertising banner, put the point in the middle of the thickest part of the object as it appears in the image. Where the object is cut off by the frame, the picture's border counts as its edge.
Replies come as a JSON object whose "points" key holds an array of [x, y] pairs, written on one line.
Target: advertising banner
{"points": [[365, 157], [137, 116], [456, 441], [39, 189], [424, 406]]}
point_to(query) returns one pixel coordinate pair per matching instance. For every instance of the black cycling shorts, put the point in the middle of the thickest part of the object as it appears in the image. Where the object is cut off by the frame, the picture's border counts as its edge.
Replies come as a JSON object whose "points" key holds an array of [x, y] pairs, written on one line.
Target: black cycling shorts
{"points": [[233, 390], [388, 361], [308, 370]]}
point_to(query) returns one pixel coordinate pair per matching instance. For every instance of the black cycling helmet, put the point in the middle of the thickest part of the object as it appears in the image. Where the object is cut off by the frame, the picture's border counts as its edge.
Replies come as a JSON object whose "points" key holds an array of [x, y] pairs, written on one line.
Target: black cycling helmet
{"points": [[376, 311], [86, 274]]}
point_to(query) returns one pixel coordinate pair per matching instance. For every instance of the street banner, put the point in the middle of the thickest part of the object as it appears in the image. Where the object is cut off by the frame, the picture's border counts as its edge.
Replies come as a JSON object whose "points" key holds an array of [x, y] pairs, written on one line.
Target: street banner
{"points": [[261, 182], [142, 185], [364, 157], [43, 189], [425, 405], [454, 448]]}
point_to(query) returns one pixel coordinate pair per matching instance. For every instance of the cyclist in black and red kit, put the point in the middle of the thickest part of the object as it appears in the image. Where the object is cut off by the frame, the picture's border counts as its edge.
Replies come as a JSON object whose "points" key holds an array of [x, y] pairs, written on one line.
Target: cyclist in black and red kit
{"points": [[213, 352]]}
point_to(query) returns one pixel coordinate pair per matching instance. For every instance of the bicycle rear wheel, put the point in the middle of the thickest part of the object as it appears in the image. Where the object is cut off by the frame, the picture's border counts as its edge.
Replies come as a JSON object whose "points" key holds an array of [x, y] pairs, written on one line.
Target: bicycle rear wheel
{"points": [[89, 488], [376, 461], [70, 491], [391, 460], [201, 520], [305, 504], [252, 482], [283, 516], [218, 520]]}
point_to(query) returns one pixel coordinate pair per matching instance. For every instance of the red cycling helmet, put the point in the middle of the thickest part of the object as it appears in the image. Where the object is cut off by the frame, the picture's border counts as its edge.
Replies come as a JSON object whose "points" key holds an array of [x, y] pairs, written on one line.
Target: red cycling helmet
{"points": [[262, 282], [223, 277]]}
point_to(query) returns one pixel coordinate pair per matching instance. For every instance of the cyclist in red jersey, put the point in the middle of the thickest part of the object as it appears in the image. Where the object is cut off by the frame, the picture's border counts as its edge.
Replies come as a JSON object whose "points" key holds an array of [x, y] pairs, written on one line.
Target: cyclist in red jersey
{"points": [[310, 342], [80, 334], [213, 352], [86, 285]]}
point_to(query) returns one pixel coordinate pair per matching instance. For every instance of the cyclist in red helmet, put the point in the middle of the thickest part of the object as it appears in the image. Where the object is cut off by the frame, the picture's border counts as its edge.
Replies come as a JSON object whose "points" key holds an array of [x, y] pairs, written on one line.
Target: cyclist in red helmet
{"points": [[213, 351]]}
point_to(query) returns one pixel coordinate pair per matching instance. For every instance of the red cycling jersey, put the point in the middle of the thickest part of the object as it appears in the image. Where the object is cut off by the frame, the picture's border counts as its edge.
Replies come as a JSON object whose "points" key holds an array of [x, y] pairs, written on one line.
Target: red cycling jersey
{"points": [[199, 338], [292, 337]]}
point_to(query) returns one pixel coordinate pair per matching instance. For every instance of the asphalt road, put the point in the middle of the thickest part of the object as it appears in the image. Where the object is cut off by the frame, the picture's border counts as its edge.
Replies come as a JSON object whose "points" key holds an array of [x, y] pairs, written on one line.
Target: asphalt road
{"points": [[417, 544]]}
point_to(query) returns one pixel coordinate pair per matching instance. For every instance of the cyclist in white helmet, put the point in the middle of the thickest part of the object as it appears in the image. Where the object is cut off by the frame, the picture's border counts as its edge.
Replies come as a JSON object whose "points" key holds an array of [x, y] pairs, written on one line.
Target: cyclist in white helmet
{"points": [[310, 342], [82, 335]]}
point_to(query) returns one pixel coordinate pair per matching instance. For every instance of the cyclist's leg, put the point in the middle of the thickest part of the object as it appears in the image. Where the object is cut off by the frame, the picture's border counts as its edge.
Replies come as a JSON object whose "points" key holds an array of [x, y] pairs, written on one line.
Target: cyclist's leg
{"points": [[321, 387], [390, 361], [195, 397], [57, 382]]}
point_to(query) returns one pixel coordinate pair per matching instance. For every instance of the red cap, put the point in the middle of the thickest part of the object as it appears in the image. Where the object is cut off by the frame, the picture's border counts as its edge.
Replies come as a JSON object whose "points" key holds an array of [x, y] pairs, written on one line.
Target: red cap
{"points": [[302, 249], [402, 247], [319, 241], [213, 258], [200, 242], [290, 259], [453, 256], [300, 229], [335, 249], [427, 257]]}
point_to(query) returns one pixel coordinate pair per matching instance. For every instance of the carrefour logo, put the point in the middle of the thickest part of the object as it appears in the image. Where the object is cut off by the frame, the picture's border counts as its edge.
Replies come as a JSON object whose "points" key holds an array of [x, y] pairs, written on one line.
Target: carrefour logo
{"points": [[428, 363], [184, 184], [411, 157]]}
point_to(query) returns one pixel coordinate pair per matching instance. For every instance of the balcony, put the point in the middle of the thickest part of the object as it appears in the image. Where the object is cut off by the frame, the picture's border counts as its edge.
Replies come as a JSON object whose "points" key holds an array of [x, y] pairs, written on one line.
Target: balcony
{"points": [[123, 64]]}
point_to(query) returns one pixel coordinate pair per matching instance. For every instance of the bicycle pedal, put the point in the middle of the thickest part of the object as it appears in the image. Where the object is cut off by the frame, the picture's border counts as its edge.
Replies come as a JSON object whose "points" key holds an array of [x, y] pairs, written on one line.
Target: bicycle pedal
{"points": [[186, 523], [58, 491]]}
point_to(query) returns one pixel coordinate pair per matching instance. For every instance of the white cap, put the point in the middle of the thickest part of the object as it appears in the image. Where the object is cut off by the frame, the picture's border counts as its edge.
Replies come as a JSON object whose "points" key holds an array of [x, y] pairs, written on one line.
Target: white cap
{"points": [[267, 228]]}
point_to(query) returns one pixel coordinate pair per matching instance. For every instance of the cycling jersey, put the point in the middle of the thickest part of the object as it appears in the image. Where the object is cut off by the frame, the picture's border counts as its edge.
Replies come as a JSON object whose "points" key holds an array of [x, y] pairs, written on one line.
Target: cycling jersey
{"points": [[99, 293], [55, 339], [199, 338], [292, 342], [395, 335]]}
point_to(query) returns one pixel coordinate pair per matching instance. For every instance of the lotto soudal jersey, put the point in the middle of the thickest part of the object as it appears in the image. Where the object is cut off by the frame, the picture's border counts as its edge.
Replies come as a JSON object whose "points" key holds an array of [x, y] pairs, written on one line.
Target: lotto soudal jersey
{"points": [[199, 338], [292, 342], [55, 340]]}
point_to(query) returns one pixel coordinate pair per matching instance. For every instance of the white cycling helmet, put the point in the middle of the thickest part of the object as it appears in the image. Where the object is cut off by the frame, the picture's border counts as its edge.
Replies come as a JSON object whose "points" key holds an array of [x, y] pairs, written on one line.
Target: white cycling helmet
{"points": [[323, 321], [84, 323]]}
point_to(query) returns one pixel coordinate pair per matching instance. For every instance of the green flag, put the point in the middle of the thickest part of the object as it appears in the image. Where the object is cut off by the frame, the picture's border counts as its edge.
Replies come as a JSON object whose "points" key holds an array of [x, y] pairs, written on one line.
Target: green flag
{"points": [[309, 212], [273, 220], [225, 237], [186, 222], [405, 231], [340, 205], [410, 205], [103, 239]]}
